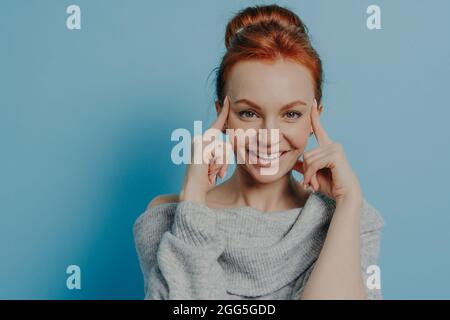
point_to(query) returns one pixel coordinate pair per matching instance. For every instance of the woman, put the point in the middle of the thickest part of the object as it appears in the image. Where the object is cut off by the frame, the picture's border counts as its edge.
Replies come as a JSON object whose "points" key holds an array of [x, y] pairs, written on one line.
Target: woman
{"points": [[264, 236]]}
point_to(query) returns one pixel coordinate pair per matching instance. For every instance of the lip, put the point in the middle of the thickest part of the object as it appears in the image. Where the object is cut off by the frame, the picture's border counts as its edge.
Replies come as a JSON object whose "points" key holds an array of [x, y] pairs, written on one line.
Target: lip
{"points": [[268, 160]]}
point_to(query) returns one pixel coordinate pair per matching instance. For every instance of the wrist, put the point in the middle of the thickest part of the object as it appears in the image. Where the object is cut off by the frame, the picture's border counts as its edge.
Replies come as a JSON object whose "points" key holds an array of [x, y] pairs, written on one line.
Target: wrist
{"points": [[351, 196], [350, 200]]}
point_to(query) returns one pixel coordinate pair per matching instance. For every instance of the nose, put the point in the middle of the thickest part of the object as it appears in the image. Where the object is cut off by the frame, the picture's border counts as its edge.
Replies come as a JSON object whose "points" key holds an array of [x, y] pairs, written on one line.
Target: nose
{"points": [[269, 136]]}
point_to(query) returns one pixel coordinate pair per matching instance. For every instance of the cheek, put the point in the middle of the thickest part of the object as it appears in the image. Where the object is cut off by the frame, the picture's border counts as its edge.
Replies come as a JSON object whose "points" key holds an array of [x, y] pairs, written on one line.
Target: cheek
{"points": [[297, 135], [240, 135], [234, 122]]}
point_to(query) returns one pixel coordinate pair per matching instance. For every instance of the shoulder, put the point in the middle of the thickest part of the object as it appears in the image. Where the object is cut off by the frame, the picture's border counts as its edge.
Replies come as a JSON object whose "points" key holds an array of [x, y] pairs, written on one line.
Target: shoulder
{"points": [[157, 216], [162, 199], [371, 219], [150, 226]]}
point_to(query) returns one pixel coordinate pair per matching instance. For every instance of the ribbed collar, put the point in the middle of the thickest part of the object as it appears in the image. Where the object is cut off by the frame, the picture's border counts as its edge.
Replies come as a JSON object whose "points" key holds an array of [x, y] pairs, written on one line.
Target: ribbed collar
{"points": [[266, 251]]}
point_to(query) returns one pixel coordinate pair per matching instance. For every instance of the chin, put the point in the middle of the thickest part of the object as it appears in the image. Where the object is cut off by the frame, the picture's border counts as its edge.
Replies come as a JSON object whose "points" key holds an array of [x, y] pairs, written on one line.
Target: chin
{"points": [[263, 179]]}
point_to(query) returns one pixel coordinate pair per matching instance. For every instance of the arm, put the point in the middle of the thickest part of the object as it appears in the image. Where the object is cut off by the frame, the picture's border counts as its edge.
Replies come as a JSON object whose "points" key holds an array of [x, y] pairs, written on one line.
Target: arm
{"points": [[337, 271], [370, 236], [186, 264]]}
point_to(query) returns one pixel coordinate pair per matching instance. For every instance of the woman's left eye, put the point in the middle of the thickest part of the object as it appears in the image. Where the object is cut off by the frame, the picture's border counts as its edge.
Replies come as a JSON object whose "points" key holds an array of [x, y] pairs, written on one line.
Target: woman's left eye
{"points": [[293, 114]]}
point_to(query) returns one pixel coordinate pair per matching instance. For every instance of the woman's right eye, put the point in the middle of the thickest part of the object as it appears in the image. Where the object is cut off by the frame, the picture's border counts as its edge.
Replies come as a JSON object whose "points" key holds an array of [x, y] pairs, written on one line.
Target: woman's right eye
{"points": [[247, 114]]}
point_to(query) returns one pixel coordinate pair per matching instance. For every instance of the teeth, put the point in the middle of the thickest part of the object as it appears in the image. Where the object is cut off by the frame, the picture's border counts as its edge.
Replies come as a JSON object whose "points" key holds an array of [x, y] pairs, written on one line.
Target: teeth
{"points": [[267, 158], [271, 157]]}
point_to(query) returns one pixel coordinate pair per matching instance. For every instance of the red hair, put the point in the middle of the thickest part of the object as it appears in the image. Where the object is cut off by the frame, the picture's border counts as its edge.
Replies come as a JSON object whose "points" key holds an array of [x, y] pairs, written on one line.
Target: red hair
{"points": [[268, 32]]}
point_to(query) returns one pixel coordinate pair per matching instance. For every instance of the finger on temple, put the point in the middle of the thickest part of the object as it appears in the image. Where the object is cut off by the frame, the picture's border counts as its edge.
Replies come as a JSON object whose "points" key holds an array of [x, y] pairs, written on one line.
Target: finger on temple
{"points": [[319, 132], [223, 115]]}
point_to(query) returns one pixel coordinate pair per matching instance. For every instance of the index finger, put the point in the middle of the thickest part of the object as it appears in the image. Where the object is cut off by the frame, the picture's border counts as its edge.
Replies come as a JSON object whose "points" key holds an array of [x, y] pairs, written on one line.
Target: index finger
{"points": [[223, 115], [319, 131]]}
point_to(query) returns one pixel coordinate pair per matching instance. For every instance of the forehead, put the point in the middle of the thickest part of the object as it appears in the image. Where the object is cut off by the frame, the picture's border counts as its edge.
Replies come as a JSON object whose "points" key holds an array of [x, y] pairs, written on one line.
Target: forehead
{"points": [[277, 81]]}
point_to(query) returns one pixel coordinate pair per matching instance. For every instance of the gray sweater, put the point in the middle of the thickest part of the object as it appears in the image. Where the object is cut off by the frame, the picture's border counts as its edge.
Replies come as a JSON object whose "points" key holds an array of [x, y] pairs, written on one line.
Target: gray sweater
{"points": [[187, 250]]}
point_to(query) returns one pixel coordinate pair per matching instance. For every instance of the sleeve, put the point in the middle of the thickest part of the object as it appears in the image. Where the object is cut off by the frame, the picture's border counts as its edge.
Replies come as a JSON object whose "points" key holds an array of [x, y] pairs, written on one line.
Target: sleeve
{"points": [[371, 226], [370, 230], [299, 285], [186, 265]]}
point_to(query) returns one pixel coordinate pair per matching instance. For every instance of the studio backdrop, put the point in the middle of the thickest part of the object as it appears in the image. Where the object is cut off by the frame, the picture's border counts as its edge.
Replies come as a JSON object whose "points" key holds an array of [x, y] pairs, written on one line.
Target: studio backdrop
{"points": [[91, 91]]}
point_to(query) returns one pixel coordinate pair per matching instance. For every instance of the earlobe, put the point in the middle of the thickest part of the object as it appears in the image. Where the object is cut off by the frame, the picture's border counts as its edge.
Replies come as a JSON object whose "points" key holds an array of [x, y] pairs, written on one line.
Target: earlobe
{"points": [[218, 107], [320, 109]]}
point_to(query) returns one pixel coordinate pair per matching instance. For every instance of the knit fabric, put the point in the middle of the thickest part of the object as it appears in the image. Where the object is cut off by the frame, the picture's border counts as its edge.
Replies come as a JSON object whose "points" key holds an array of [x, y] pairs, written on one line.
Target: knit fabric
{"points": [[187, 250]]}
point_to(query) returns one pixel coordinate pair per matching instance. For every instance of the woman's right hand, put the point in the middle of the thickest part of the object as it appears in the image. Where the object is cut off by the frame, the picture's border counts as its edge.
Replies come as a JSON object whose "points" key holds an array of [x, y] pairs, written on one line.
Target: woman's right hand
{"points": [[201, 177]]}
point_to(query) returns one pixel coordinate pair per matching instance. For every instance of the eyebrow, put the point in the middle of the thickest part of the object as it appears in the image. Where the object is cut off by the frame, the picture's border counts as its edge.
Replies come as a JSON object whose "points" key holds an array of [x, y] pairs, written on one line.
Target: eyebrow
{"points": [[286, 106]]}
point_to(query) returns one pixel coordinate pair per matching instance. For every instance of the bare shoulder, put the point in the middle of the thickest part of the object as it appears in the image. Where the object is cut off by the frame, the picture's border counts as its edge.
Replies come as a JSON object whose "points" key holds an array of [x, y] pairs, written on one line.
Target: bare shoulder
{"points": [[164, 198]]}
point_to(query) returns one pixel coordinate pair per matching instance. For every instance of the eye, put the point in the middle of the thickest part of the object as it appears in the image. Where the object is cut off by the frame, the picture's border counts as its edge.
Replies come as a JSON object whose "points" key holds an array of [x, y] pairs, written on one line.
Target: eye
{"points": [[247, 114], [293, 114]]}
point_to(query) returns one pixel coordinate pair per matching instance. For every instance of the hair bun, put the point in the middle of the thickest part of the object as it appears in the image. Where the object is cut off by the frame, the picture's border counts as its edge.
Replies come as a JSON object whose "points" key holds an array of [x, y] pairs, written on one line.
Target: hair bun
{"points": [[263, 16], [267, 33]]}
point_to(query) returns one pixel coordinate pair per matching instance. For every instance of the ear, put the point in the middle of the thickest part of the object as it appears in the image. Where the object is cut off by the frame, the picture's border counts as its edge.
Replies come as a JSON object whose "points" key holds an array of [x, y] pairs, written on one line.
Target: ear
{"points": [[218, 107], [320, 109]]}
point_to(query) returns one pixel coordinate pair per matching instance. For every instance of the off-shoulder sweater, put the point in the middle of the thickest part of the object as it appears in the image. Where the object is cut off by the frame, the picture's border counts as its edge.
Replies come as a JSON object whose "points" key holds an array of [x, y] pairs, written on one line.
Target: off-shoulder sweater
{"points": [[188, 250]]}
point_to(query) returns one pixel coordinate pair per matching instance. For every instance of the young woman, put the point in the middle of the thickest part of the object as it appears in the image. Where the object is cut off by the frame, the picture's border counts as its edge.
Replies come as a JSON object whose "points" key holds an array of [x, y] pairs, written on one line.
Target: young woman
{"points": [[260, 236]]}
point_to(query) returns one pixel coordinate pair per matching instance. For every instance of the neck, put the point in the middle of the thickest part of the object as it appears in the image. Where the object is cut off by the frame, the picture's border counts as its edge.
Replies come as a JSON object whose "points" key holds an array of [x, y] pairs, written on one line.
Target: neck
{"points": [[278, 195]]}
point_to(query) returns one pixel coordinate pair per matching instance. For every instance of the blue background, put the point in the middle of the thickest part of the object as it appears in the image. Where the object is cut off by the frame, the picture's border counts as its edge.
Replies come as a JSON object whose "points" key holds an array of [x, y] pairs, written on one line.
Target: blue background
{"points": [[86, 117]]}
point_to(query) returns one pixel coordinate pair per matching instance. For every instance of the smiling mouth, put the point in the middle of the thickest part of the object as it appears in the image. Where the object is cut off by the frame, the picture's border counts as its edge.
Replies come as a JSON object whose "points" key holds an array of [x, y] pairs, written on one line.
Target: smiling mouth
{"points": [[266, 159]]}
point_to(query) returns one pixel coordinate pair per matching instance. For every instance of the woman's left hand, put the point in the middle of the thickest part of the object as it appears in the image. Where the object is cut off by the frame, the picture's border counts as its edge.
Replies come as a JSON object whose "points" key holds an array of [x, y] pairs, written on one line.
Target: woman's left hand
{"points": [[326, 168]]}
